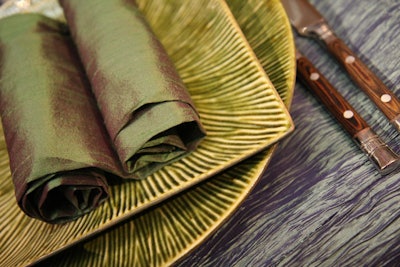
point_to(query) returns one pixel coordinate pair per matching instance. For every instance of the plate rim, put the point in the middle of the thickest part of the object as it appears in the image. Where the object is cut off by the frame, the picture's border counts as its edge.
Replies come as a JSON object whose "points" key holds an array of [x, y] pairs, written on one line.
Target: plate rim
{"points": [[122, 218], [262, 164]]}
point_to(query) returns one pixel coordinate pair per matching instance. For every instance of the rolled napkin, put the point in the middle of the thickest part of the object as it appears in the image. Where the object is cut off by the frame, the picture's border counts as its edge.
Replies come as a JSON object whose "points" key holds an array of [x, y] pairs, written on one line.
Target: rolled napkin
{"points": [[146, 108], [57, 143]]}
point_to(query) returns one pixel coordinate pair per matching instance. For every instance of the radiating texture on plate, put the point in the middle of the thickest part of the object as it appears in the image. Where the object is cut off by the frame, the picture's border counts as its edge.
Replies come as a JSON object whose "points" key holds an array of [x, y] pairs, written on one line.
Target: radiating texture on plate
{"points": [[160, 236], [239, 108], [321, 202], [256, 19]]}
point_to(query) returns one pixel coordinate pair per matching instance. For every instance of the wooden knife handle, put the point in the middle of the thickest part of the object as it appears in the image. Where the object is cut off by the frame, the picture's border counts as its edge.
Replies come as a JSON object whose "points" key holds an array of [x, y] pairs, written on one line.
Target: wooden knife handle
{"points": [[383, 158], [377, 91], [330, 97]]}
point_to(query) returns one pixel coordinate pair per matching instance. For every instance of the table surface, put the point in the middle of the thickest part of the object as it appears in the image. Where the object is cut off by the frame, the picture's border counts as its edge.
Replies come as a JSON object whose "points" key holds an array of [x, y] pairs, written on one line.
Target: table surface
{"points": [[321, 202]]}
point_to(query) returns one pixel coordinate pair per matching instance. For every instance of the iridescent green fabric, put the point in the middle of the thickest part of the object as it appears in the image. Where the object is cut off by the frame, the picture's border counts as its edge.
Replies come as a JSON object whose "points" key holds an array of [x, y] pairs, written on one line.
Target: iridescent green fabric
{"points": [[57, 144], [146, 107], [74, 119]]}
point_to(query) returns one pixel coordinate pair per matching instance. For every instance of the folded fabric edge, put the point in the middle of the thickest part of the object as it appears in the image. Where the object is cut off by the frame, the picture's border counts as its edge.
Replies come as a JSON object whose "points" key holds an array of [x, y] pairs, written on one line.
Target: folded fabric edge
{"points": [[163, 118]]}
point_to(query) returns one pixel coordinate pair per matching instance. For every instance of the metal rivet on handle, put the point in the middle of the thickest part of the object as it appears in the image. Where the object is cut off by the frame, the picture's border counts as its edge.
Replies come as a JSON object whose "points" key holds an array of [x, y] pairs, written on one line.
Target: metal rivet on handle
{"points": [[350, 59], [314, 76], [385, 98], [348, 114]]}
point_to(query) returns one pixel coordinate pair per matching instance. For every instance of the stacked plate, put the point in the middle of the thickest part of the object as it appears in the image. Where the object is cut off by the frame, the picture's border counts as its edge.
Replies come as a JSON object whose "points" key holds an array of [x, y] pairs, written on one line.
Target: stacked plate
{"points": [[237, 60]]}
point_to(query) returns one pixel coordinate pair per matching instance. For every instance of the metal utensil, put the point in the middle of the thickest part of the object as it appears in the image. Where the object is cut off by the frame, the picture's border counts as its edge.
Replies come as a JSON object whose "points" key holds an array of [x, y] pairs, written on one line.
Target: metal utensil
{"points": [[309, 22]]}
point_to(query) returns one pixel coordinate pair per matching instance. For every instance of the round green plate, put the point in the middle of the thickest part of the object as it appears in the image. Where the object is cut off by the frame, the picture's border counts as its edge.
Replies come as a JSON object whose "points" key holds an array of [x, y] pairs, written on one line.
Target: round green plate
{"points": [[242, 113]]}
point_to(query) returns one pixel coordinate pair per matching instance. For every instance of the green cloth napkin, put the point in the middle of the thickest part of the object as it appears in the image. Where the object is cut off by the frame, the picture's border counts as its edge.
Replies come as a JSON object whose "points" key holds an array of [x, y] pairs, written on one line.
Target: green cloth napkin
{"points": [[146, 108], [73, 122], [58, 147]]}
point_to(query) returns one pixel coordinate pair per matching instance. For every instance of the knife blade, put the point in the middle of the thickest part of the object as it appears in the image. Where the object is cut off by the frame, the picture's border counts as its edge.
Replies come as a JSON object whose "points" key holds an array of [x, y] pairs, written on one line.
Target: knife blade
{"points": [[310, 23], [383, 158]]}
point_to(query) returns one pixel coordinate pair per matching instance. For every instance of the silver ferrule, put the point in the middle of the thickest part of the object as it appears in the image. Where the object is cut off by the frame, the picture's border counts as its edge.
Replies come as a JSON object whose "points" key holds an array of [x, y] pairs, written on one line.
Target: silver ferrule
{"points": [[396, 122], [322, 31], [384, 159]]}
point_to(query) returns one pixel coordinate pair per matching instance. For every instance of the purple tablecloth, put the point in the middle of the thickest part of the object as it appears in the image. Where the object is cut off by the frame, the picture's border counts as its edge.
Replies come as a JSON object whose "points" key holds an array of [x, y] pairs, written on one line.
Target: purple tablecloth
{"points": [[320, 201]]}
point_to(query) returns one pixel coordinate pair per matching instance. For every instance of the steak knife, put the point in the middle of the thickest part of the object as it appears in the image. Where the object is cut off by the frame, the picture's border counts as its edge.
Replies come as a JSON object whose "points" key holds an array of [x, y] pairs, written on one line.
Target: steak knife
{"points": [[384, 159], [310, 23]]}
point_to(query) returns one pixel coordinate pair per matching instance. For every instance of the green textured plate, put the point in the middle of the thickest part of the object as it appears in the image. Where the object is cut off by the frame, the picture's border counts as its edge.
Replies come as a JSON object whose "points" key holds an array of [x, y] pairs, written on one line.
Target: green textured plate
{"points": [[239, 108]]}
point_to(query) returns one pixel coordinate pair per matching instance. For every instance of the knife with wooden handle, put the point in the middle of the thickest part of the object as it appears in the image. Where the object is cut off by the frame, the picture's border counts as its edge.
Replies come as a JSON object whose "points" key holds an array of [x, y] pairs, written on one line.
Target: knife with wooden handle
{"points": [[384, 159], [309, 22]]}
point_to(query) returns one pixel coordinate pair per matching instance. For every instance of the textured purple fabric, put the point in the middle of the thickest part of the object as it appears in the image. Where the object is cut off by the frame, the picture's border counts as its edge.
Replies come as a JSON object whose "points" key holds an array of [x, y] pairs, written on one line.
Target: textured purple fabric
{"points": [[321, 202]]}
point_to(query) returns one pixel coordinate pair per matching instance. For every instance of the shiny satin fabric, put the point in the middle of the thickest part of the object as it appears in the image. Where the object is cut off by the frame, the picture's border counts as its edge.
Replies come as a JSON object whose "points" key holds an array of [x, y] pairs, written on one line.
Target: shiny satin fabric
{"points": [[57, 144], [64, 142], [146, 108]]}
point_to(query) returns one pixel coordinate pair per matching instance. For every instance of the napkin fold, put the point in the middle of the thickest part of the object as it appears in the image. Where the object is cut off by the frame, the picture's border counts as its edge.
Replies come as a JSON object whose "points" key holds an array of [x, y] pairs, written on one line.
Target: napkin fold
{"points": [[147, 110], [58, 147], [79, 109]]}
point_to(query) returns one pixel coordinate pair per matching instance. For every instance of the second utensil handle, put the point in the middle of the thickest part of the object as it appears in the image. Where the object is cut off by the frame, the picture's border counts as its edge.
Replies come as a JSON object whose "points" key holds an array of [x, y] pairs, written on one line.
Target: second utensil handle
{"points": [[377, 91], [384, 159], [330, 97]]}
